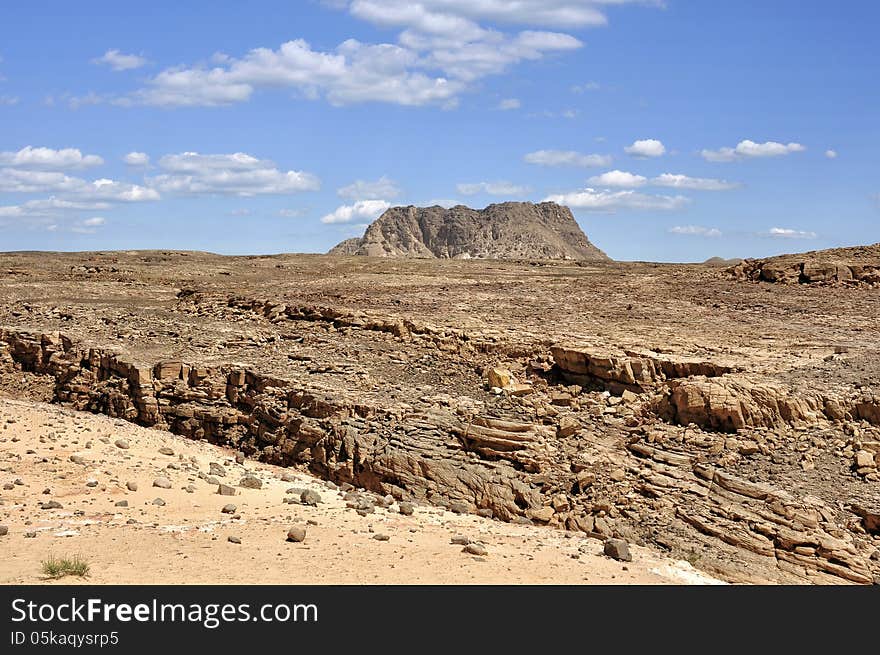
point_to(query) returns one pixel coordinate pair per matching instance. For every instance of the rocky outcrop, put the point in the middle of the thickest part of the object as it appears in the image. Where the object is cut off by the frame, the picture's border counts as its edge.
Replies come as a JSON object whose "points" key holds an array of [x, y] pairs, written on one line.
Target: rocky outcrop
{"points": [[279, 422], [510, 230], [626, 370], [859, 265]]}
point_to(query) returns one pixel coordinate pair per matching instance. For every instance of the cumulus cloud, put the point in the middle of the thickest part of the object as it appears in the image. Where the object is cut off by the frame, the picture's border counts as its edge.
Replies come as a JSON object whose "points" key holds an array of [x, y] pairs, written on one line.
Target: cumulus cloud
{"points": [[192, 173], [449, 16], [788, 233], [831, 154], [49, 159], [618, 179], [677, 181], [368, 210], [136, 159], [509, 103], [8, 101], [49, 207], [14, 180], [566, 158], [609, 201], [119, 61], [749, 150], [89, 225], [627, 180], [696, 230], [500, 188], [646, 148], [361, 190], [442, 47]]}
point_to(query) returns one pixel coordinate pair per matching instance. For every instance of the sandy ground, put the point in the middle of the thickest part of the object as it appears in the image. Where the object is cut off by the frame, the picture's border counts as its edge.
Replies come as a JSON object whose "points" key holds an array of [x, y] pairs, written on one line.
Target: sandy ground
{"points": [[186, 540]]}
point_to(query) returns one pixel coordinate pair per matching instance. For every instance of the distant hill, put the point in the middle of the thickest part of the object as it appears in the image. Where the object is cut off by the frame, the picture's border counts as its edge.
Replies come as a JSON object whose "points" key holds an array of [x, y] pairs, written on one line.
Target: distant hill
{"points": [[720, 261], [858, 264], [510, 230]]}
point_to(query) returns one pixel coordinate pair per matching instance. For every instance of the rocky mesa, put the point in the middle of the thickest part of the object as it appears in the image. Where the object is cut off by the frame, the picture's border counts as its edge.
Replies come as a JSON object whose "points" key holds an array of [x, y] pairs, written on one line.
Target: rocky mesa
{"points": [[509, 230]]}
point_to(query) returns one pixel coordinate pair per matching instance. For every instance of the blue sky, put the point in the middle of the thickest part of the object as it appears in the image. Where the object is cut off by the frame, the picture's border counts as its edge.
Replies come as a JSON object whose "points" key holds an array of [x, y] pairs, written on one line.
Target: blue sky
{"points": [[675, 130]]}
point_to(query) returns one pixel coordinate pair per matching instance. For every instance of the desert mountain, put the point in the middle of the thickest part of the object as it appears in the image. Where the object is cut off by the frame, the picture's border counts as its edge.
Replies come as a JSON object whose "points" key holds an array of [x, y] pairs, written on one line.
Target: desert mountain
{"points": [[509, 230]]}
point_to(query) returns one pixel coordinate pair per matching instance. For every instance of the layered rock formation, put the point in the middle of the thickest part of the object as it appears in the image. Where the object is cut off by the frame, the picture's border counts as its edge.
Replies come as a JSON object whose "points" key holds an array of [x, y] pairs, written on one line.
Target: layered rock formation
{"points": [[858, 265], [510, 230]]}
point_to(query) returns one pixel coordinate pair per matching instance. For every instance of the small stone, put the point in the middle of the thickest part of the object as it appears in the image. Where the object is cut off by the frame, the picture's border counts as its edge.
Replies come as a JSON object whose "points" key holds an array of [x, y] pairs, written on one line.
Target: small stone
{"points": [[189, 489], [225, 490], [162, 483], [250, 482], [228, 509], [217, 469], [287, 476], [628, 396], [381, 537], [239, 457], [122, 503], [165, 450], [30, 535], [52, 504], [405, 508], [76, 459], [159, 501], [309, 497], [233, 540], [486, 512], [122, 443], [459, 507], [617, 549], [568, 426], [475, 549], [131, 486], [4, 530], [210, 479], [460, 540], [499, 377], [296, 534], [864, 458], [92, 483], [618, 475], [8, 486]]}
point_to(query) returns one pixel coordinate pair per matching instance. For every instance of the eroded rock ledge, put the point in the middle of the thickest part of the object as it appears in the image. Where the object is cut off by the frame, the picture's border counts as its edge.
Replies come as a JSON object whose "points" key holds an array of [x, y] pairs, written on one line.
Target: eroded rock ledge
{"points": [[581, 463]]}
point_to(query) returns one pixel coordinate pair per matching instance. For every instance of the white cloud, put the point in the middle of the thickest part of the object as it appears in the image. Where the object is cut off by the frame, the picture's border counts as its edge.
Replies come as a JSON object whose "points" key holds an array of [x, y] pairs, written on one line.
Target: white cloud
{"points": [[610, 201], [618, 179], [448, 16], [677, 181], [89, 225], [566, 158], [14, 180], [8, 101], [570, 113], [646, 148], [192, 173], [91, 98], [696, 230], [361, 210], [240, 212], [500, 188], [119, 61], [292, 213], [509, 103], [136, 159], [584, 88], [49, 159], [749, 149], [361, 190], [788, 233], [48, 207], [831, 154], [627, 180]]}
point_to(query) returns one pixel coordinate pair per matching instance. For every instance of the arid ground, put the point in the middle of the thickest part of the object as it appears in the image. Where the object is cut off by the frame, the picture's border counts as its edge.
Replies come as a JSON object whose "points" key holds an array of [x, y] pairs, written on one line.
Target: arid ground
{"points": [[721, 425]]}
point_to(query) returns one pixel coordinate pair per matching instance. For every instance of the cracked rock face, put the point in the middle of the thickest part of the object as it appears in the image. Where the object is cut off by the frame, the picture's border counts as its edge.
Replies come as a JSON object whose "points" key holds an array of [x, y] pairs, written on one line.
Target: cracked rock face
{"points": [[510, 230], [714, 420]]}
